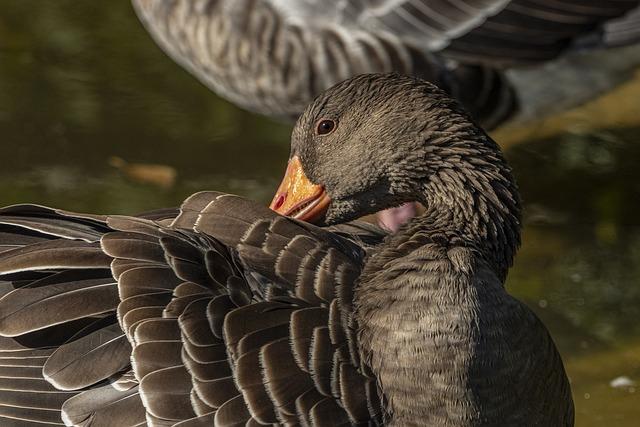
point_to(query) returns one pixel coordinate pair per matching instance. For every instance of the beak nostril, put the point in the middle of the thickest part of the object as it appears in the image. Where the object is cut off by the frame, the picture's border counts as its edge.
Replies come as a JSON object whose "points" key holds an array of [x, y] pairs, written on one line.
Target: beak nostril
{"points": [[279, 201]]}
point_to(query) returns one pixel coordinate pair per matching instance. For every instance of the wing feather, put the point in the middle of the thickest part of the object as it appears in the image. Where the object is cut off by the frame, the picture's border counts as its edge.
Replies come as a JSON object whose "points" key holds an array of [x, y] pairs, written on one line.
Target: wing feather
{"points": [[89, 359], [104, 406], [229, 313], [30, 309]]}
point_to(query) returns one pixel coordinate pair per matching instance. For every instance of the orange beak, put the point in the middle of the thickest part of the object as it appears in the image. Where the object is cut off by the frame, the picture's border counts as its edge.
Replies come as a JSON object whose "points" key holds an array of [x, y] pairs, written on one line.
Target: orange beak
{"points": [[298, 198]]}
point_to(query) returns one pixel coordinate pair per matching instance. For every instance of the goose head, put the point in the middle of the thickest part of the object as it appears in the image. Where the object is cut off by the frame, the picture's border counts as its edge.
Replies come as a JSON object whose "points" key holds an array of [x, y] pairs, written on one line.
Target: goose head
{"points": [[376, 141]]}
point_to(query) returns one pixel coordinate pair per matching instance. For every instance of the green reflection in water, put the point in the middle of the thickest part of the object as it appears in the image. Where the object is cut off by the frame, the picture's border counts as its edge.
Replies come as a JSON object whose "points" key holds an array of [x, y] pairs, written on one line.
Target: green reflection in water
{"points": [[579, 266], [81, 81]]}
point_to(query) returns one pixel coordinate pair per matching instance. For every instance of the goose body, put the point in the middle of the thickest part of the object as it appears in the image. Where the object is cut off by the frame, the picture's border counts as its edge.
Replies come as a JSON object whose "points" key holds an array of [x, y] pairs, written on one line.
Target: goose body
{"points": [[275, 56], [225, 312]]}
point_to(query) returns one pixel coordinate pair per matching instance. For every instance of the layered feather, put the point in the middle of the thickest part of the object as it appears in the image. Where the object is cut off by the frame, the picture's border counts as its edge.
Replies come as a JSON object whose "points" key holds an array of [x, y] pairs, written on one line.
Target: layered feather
{"points": [[220, 315]]}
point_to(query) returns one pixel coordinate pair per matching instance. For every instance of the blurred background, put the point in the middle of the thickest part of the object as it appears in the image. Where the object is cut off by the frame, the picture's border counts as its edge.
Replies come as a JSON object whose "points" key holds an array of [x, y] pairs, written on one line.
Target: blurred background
{"points": [[94, 117]]}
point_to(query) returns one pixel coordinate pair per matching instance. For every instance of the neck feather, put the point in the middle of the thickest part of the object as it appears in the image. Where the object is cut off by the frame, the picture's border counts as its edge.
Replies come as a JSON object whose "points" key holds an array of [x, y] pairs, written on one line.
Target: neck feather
{"points": [[476, 210], [469, 193]]}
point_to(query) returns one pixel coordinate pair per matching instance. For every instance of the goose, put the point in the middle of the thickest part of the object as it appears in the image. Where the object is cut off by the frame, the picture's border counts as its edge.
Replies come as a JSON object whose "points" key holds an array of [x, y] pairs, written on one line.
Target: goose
{"points": [[273, 56], [225, 312]]}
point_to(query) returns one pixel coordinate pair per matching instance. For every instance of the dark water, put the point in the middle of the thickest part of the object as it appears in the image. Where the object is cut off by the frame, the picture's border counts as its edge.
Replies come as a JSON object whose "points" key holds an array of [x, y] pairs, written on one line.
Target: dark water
{"points": [[81, 82]]}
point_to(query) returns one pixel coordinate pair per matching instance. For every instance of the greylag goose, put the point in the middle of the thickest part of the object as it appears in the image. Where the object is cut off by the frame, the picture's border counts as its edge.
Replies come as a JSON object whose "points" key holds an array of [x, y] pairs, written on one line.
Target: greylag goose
{"points": [[274, 56], [228, 313]]}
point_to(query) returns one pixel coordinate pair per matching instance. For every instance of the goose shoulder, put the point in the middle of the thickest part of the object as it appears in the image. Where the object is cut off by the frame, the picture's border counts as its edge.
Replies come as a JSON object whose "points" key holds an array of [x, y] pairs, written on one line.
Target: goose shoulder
{"points": [[452, 300]]}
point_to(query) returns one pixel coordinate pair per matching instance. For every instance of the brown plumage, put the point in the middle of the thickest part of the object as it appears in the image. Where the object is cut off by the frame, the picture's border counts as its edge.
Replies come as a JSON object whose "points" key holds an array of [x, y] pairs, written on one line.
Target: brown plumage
{"points": [[227, 313]]}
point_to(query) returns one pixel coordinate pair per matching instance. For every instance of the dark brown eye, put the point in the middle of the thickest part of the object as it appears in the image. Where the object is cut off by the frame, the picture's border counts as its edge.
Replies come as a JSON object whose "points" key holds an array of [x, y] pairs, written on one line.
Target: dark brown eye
{"points": [[325, 127]]}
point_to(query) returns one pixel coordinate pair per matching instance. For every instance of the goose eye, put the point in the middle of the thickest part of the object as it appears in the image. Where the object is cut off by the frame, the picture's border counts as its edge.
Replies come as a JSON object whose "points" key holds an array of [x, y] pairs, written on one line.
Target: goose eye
{"points": [[325, 127]]}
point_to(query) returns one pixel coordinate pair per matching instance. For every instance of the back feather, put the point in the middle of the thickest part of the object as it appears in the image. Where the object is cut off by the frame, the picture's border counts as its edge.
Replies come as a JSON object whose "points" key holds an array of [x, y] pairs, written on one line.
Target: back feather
{"points": [[226, 313]]}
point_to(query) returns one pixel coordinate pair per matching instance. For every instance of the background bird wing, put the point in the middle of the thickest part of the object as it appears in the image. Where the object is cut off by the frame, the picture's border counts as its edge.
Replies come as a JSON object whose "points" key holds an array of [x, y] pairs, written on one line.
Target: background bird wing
{"points": [[623, 30], [230, 313], [498, 32]]}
